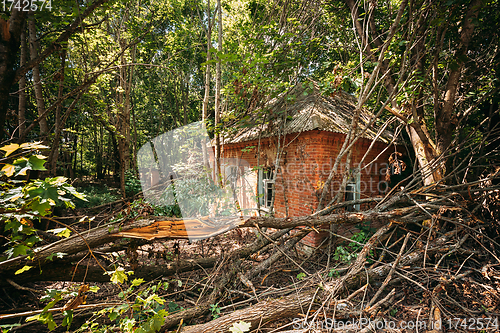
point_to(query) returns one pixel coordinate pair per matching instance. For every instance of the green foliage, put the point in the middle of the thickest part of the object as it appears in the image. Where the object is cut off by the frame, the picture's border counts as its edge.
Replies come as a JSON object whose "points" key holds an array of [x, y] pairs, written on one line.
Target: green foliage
{"points": [[347, 252], [142, 310], [7, 327], [25, 201], [118, 275], [54, 296], [96, 195], [132, 183], [168, 210], [393, 312], [333, 273], [215, 310]]}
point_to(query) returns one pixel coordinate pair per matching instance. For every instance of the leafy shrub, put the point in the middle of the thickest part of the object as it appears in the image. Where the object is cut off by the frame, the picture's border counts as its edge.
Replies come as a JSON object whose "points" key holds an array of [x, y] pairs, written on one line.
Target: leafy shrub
{"points": [[132, 183], [170, 211], [96, 195], [347, 252], [25, 201]]}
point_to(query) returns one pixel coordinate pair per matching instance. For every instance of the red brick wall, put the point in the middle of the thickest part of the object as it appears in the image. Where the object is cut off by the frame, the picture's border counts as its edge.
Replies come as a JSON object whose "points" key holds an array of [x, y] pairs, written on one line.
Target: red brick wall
{"points": [[306, 165]]}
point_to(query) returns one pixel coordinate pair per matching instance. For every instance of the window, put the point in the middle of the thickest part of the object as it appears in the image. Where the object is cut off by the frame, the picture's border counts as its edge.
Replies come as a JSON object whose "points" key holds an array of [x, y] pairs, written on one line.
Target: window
{"points": [[265, 187], [352, 191]]}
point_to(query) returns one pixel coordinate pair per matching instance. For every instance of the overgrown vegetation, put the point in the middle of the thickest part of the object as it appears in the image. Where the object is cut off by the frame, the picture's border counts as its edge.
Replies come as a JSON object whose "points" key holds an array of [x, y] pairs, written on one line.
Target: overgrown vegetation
{"points": [[84, 85]]}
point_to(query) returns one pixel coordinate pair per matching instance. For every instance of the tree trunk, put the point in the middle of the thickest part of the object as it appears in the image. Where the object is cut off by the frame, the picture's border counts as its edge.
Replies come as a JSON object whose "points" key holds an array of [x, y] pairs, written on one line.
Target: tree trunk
{"points": [[218, 85], [54, 152], [22, 86], [10, 40], [125, 80], [185, 99], [206, 97], [261, 312], [429, 175], [40, 103], [446, 119]]}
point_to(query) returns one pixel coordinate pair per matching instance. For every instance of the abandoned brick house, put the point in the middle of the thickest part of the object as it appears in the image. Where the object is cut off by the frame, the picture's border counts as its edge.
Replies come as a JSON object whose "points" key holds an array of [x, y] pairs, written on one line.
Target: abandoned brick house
{"points": [[309, 129]]}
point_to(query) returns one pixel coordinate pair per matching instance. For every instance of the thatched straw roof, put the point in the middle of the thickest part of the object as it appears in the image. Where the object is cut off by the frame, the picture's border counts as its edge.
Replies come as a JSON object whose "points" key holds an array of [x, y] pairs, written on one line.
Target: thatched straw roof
{"points": [[305, 109]]}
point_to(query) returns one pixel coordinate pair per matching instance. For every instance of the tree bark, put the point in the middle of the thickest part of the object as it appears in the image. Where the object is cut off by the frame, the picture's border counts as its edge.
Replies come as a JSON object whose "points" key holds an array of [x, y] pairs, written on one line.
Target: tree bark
{"points": [[162, 227], [54, 152], [93, 273], [293, 304], [261, 312], [10, 41], [22, 86], [218, 85], [125, 83], [204, 115], [40, 103], [446, 120]]}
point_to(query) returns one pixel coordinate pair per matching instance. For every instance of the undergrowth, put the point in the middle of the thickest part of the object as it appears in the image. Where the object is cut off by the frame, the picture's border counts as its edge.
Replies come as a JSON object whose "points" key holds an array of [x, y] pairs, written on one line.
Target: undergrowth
{"points": [[96, 195]]}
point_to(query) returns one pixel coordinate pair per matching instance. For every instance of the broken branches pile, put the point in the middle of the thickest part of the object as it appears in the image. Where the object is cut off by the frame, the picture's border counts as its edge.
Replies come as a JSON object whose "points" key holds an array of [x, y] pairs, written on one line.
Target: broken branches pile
{"points": [[435, 245]]}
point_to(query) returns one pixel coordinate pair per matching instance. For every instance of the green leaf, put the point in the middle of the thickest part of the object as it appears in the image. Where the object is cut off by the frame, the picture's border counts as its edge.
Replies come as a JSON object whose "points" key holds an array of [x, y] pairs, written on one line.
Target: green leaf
{"points": [[113, 315], [7, 327], [19, 250], [155, 297], [36, 163], [118, 276], [45, 318], [31, 318], [94, 289], [127, 324], [137, 282], [68, 318], [42, 208], [65, 233], [22, 270]]}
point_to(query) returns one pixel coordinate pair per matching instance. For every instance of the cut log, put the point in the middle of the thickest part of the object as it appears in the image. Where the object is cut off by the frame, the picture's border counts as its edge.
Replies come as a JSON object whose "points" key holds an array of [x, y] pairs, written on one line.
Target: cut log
{"points": [[262, 312]]}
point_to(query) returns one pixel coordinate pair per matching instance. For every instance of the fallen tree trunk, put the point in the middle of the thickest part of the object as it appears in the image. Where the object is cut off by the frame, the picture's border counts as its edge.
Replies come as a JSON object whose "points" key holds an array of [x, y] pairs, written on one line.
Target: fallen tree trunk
{"points": [[94, 273], [259, 313], [78, 242], [65, 271], [161, 227]]}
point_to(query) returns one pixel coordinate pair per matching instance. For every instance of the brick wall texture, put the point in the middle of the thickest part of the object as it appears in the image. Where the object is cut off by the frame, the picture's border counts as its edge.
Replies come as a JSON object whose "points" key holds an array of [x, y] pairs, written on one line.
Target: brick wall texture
{"points": [[305, 165]]}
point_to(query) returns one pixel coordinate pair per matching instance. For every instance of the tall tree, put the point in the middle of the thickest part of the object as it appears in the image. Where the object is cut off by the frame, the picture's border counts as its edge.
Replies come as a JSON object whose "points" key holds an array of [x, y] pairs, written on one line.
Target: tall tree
{"points": [[40, 102], [206, 97], [10, 42], [21, 115], [218, 85], [422, 70]]}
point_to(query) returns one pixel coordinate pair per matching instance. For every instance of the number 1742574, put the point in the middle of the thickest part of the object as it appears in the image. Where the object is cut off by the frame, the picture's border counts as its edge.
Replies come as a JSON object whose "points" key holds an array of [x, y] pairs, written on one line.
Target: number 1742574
{"points": [[473, 324], [26, 5]]}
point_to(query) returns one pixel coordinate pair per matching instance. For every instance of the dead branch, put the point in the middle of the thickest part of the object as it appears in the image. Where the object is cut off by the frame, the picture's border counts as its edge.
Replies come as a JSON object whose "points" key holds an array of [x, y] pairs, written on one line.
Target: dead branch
{"points": [[293, 304]]}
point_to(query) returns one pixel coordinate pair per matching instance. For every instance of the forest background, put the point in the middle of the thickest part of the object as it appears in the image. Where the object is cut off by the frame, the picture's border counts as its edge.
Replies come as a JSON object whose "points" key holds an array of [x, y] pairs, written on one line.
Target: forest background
{"points": [[84, 84]]}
